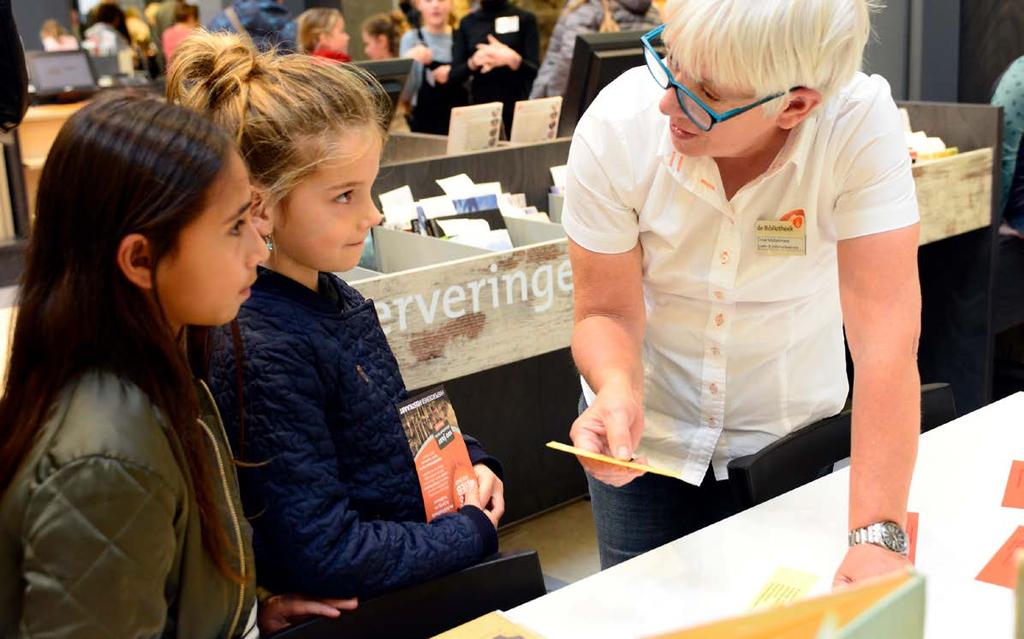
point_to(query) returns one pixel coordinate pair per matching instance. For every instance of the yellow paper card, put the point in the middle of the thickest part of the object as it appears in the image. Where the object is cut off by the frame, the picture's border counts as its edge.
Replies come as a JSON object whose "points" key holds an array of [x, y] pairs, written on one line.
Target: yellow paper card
{"points": [[490, 626], [784, 586], [572, 450]]}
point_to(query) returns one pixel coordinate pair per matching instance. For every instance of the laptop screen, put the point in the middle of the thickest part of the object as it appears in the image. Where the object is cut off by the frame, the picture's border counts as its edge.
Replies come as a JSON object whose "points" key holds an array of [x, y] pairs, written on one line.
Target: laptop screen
{"points": [[60, 71]]}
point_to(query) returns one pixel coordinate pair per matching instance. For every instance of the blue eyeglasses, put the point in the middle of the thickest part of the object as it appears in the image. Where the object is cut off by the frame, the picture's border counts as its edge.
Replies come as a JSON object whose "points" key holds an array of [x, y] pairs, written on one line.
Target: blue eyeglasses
{"points": [[703, 116]]}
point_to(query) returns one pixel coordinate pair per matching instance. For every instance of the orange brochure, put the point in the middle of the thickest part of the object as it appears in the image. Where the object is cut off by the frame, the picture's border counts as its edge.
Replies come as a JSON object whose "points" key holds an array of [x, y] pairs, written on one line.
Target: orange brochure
{"points": [[1014, 495], [912, 536], [439, 451], [1002, 569]]}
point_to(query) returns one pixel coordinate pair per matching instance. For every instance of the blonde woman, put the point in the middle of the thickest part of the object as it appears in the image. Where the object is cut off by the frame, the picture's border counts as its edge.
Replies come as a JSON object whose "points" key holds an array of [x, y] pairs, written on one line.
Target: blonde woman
{"points": [[732, 208], [587, 16], [322, 34]]}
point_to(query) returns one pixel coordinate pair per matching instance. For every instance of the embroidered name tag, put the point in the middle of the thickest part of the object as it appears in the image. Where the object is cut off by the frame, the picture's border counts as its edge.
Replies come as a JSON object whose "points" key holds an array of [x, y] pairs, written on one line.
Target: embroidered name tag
{"points": [[782, 237], [506, 24]]}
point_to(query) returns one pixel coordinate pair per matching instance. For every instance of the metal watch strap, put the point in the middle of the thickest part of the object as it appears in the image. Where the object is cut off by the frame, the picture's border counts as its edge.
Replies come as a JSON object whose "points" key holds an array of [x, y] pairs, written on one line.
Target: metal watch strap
{"points": [[872, 534]]}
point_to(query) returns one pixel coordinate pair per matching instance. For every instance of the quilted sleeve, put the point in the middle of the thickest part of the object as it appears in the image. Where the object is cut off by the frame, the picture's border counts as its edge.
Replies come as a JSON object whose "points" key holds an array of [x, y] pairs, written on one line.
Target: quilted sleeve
{"points": [[99, 543], [310, 537]]}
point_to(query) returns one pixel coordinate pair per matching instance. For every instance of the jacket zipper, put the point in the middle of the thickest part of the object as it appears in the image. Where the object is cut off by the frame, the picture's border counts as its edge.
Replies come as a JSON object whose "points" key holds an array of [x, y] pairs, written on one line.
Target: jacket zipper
{"points": [[231, 508]]}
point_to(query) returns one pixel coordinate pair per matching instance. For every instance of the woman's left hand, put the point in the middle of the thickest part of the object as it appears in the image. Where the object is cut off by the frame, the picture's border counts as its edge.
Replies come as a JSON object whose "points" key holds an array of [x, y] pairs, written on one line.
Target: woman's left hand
{"points": [[492, 490], [280, 611]]}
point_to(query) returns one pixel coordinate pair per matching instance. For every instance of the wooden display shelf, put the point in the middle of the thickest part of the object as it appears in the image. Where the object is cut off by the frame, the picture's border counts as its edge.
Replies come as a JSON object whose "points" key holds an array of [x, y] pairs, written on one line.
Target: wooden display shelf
{"points": [[954, 194], [523, 304]]}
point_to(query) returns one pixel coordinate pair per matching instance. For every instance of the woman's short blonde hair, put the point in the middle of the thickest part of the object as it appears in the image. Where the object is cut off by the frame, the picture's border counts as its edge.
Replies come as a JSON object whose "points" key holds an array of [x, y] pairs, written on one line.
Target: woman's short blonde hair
{"points": [[314, 23], [286, 113], [763, 47]]}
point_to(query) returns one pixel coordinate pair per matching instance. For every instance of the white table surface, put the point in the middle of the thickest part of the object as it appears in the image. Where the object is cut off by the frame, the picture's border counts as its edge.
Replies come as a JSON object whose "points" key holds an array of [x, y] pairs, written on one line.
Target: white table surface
{"points": [[961, 474]]}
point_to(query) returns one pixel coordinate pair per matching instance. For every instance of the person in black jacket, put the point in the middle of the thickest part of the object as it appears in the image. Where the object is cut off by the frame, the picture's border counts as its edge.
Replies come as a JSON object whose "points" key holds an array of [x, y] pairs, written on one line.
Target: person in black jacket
{"points": [[13, 80], [497, 47]]}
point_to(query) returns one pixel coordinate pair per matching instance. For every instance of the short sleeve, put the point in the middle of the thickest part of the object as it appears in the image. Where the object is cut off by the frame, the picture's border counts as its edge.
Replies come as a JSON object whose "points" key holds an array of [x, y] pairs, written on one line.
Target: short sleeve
{"points": [[596, 214], [875, 191]]}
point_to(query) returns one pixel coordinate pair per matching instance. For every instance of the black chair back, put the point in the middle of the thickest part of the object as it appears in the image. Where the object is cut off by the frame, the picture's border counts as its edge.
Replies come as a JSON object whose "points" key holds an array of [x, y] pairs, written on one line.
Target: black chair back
{"points": [[810, 452], [430, 608]]}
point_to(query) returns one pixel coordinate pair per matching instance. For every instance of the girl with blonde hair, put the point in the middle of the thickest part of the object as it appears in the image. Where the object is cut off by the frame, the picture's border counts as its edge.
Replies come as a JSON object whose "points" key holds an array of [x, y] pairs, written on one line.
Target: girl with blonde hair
{"points": [[55, 38], [322, 34], [305, 380]]}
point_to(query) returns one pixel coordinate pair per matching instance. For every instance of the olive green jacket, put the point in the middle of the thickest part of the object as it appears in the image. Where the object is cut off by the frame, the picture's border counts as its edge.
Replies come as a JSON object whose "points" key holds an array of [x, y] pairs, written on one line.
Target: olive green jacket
{"points": [[100, 531]]}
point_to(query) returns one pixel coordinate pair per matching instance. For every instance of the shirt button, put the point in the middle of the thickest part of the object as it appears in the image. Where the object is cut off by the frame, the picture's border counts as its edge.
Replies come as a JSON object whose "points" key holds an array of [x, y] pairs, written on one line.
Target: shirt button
{"points": [[719, 319], [725, 257], [713, 388], [716, 351], [719, 295]]}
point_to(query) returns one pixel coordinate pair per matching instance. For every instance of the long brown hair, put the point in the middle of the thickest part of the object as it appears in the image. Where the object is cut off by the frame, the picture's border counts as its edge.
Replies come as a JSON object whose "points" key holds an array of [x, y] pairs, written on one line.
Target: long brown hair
{"points": [[124, 164]]}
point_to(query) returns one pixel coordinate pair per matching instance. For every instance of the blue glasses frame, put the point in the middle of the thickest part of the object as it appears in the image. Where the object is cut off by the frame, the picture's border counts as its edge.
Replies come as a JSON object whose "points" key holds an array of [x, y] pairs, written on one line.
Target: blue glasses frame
{"points": [[681, 91]]}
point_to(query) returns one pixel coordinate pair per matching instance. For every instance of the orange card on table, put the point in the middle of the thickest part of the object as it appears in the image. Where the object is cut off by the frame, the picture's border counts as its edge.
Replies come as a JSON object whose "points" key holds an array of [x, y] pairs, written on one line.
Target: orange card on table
{"points": [[1014, 495], [912, 536], [1001, 570]]}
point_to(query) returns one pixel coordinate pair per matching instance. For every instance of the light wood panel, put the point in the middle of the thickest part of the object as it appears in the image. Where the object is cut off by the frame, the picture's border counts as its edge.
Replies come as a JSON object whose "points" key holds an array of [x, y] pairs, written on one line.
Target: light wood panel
{"points": [[954, 194]]}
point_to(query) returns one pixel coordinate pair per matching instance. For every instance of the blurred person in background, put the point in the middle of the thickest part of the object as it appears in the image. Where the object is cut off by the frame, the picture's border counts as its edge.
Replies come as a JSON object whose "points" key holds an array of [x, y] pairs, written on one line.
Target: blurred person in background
{"points": [[322, 34], [381, 33], [428, 90], [186, 21], [268, 23], [55, 38], [587, 16]]}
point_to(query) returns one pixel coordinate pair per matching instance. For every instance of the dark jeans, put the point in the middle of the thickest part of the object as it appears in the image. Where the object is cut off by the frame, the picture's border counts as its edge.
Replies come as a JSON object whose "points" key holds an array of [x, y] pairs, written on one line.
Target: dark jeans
{"points": [[652, 510]]}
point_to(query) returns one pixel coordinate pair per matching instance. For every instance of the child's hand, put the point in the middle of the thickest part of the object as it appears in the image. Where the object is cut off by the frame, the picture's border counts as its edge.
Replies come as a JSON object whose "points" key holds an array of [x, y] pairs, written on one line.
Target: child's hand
{"points": [[280, 611], [441, 74], [421, 54], [492, 491], [472, 498]]}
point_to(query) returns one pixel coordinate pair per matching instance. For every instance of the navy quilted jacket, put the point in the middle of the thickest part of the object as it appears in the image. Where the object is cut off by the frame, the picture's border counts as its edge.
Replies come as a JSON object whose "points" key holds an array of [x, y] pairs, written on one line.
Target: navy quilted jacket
{"points": [[328, 482]]}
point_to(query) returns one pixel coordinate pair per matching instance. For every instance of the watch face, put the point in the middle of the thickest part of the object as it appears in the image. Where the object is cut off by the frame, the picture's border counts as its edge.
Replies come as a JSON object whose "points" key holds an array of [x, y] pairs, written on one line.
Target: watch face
{"points": [[894, 538]]}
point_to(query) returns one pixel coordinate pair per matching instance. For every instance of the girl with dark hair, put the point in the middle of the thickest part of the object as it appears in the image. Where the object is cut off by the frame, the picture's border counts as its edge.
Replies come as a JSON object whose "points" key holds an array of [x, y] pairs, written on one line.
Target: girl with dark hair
{"points": [[119, 509], [108, 35], [381, 33]]}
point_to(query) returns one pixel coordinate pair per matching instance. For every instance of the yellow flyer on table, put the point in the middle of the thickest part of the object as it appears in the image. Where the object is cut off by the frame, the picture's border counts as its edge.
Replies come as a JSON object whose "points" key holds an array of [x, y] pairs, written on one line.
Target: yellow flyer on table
{"points": [[572, 450], [784, 586]]}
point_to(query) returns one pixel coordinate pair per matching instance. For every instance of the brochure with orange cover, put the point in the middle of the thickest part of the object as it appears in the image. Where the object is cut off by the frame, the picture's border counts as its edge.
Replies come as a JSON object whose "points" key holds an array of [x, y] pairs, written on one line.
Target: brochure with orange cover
{"points": [[442, 461], [887, 606]]}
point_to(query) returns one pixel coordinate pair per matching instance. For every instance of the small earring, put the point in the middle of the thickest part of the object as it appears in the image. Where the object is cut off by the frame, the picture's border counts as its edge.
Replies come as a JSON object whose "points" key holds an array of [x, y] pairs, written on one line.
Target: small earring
{"points": [[270, 242]]}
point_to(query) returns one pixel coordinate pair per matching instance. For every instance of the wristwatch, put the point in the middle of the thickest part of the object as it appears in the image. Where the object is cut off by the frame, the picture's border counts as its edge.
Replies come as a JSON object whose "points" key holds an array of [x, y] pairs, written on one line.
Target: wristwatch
{"points": [[886, 534]]}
